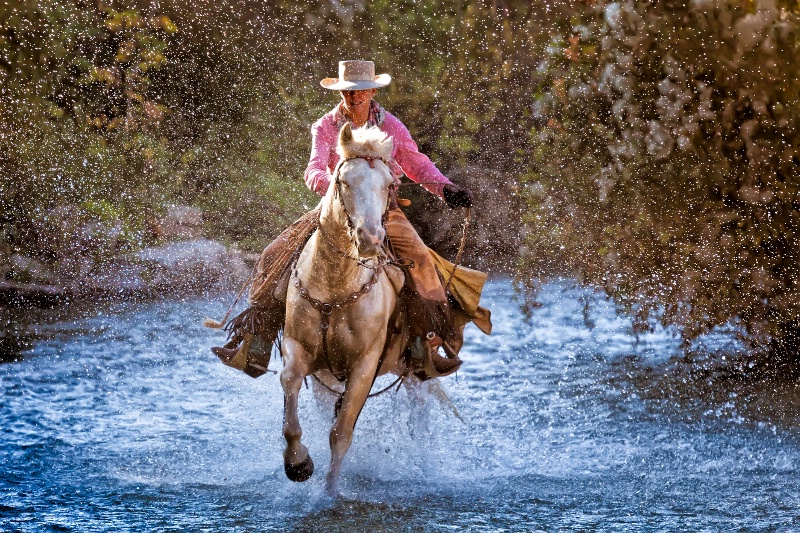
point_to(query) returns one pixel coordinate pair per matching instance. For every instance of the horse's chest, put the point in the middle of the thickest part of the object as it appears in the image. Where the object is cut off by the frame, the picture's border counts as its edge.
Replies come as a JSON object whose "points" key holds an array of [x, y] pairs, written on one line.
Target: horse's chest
{"points": [[352, 328], [350, 332]]}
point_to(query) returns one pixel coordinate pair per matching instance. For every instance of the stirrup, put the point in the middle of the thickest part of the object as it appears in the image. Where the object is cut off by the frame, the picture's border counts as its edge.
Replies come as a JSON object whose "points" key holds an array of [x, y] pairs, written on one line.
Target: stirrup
{"points": [[425, 357], [226, 355], [251, 357]]}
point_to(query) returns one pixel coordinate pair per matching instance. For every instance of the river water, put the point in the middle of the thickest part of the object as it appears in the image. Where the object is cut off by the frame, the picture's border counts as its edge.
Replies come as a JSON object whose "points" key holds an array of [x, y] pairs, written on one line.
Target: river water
{"points": [[124, 421]]}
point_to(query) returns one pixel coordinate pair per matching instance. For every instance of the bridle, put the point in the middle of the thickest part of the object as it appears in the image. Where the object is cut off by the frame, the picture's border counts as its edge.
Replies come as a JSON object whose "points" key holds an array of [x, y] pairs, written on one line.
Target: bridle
{"points": [[327, 308], [337, 194]]}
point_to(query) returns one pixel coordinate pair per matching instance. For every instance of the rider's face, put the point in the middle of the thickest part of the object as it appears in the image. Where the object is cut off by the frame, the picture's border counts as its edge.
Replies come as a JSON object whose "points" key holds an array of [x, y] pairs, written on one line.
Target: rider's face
{"points": [[357, 101]]}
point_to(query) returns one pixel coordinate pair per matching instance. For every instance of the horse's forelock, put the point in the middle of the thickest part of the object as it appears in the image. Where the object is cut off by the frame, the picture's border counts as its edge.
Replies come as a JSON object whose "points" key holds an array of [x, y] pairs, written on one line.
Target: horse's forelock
{"points": [[367, 142]]}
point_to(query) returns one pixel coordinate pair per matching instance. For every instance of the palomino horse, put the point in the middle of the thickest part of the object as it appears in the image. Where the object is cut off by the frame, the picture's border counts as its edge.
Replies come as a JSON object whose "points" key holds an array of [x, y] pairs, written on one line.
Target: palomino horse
{"points": [[341, 298]]}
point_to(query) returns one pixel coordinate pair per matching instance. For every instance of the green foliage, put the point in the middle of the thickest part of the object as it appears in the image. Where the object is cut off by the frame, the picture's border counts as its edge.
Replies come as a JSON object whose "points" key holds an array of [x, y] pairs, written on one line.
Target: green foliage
{"points": [[78, 116], [210, 104], [99, 111], [667, 169], [463, 73]]}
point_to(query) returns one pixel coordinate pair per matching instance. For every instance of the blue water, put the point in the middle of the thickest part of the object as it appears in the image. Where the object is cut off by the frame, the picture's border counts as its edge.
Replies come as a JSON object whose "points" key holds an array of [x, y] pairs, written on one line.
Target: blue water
{"points": [[125, 421]]}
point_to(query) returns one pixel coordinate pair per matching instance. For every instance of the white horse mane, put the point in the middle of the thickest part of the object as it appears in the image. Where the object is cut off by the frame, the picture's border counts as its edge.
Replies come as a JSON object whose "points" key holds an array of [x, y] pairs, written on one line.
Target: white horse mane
{"points": [[368, 141]]}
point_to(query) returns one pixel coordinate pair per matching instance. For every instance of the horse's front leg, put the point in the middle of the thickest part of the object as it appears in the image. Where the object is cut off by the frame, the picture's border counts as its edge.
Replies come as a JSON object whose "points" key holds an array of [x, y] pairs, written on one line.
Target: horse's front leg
{"points": [[359, 383], [296, 461]]}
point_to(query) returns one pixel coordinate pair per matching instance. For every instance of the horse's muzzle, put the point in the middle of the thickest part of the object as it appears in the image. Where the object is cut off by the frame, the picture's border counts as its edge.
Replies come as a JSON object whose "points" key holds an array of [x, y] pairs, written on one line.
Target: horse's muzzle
{"points": [[369, 242]]}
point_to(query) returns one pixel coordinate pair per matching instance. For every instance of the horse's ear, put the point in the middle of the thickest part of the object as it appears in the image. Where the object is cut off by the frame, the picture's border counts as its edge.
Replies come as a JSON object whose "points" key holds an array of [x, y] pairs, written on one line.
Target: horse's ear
{"points": [[346, 134]]}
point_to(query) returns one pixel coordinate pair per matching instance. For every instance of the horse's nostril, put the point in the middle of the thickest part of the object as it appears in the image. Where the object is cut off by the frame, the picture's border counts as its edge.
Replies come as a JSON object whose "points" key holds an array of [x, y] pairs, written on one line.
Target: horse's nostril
{"points": [[369, 237]]}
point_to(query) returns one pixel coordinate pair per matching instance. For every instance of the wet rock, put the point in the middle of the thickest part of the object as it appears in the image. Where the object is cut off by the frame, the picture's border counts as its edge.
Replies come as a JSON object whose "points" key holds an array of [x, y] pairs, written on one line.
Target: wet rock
{"points": [[75, 240], [101, 236], [75, 267], [24, 269], [180, 268], [36, 294], [120, 277], [176, 269], [180, 222], [194, 265]]}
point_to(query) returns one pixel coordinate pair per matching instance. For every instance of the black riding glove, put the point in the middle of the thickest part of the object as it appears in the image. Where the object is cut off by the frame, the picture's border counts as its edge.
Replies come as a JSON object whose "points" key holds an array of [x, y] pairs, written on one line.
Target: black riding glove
{"points": [[455, 196]]}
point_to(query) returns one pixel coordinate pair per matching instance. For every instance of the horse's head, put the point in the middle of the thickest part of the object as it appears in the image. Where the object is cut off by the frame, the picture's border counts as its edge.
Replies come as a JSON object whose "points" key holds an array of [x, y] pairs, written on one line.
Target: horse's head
{"points": [[362, 181]]}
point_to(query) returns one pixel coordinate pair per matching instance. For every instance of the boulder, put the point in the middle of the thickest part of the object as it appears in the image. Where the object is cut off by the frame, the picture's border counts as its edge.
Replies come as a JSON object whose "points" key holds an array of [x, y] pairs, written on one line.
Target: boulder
{"points": [[180, 222], [22, 269], [192, 266], [36, 294]]}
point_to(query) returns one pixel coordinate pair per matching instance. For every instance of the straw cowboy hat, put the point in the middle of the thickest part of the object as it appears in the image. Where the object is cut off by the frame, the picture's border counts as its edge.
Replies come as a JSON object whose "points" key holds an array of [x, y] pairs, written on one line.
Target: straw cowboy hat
{"points": [[356, 76]]}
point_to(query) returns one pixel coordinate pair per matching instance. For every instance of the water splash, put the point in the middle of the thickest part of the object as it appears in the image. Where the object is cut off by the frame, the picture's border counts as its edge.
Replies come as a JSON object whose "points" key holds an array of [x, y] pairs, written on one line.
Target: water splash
{"points": [[127, 420]]}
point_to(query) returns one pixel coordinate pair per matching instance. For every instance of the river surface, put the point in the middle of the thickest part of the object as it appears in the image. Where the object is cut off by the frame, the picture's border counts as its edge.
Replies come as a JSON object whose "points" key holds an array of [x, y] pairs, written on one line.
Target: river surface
{"points": [[125, 421]]}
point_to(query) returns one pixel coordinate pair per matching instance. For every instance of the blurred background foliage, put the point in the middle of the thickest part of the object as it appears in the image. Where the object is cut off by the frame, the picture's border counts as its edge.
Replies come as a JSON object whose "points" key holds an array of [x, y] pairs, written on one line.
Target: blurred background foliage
{"points": [[667, 172], [649, 149], [210, 103]]}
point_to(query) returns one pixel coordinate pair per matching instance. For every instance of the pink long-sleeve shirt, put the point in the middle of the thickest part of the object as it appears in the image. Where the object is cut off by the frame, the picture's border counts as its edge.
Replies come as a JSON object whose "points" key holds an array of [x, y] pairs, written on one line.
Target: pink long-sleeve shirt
{"points": [[406, 157]]}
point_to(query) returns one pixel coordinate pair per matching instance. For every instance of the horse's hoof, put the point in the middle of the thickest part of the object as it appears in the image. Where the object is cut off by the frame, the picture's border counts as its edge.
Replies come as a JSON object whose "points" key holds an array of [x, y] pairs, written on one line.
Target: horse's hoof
{"points": [[299, 472]]}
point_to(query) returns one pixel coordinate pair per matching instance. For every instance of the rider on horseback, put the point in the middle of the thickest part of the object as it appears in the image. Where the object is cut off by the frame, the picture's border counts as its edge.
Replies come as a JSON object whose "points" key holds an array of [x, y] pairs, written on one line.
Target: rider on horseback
{"points": [[432, 314]]}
